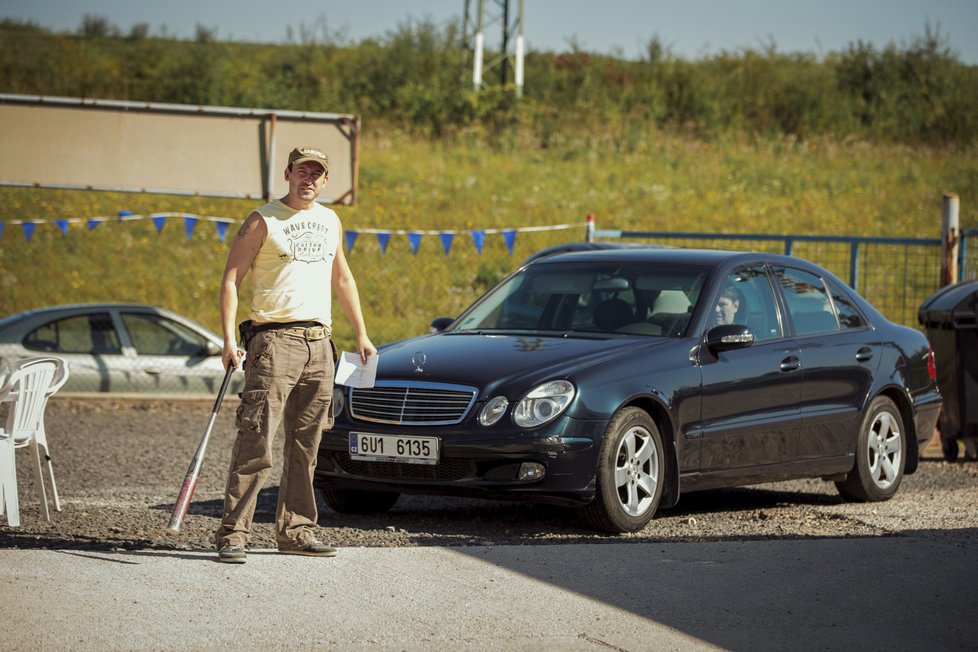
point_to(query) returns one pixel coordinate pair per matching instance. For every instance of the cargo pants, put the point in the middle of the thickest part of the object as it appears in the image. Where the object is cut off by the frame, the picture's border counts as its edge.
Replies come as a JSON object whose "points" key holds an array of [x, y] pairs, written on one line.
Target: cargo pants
{"points": [[288, 383]]}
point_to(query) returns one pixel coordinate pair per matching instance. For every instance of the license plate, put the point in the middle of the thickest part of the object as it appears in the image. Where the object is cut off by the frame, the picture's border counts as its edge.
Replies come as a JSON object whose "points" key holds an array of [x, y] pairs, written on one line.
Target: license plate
{"points": [[393, 448]]}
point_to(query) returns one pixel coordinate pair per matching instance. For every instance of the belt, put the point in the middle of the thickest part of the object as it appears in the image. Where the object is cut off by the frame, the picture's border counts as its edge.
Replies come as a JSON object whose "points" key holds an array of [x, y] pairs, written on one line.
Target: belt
{"points": [[311, 331]]}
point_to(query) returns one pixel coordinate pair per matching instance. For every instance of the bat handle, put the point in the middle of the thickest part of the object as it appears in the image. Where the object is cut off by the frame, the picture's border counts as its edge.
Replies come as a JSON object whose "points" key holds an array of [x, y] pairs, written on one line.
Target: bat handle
{"points": [[224, 388]]}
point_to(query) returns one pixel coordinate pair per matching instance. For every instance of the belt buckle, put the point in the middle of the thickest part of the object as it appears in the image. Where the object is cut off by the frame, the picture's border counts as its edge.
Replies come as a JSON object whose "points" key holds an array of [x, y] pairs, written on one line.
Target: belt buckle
{"points": [[309, 335]]}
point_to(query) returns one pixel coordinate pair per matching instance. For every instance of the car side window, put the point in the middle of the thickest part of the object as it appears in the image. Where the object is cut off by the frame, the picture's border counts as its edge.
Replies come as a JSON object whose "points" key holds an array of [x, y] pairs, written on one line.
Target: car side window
{"points": [[746, 298], [155, 335], [845, 307], [808, 301], [93, 334]]}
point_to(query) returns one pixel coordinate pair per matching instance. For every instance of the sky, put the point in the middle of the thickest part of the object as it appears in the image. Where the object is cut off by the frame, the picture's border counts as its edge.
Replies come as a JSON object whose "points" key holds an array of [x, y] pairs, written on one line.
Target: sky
{"points": [[688, 28]]}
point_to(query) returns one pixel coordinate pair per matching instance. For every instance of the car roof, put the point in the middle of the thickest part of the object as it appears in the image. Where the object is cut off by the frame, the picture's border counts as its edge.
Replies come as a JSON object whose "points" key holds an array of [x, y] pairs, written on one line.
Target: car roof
{"points": [[79, 307], [14, 325], [565, 247], [702, 257]]}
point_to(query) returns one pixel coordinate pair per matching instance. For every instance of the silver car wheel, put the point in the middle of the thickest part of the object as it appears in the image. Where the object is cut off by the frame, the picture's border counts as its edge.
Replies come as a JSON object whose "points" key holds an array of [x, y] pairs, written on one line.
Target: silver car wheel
{"points": [[637, 471], [885, 450]]}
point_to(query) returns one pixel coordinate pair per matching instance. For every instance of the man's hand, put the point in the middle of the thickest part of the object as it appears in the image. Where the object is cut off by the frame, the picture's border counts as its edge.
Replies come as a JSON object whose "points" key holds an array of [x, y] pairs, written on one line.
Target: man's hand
{"points": [[365, 348], [232, 355]]}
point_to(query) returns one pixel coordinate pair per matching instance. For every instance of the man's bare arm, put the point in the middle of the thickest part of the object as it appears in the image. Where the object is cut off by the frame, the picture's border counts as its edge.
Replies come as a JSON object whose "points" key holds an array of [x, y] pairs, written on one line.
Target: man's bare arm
{"points": [[243, 250], [345, 287]]}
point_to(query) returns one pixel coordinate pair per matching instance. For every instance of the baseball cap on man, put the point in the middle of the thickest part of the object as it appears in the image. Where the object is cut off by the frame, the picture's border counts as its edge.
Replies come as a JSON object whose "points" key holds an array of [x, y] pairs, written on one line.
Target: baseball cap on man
{"points": [[303, 154]]}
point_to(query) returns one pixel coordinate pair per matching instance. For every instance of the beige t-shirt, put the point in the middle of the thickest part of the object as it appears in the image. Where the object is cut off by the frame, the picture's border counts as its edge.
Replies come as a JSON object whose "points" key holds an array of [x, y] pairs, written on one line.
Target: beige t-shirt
{"points": [[292, 273]]}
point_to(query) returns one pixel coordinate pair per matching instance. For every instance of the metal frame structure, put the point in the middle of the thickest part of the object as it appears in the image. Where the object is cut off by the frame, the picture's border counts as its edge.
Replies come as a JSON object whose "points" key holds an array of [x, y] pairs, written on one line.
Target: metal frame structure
{"points": [[477, 27]]}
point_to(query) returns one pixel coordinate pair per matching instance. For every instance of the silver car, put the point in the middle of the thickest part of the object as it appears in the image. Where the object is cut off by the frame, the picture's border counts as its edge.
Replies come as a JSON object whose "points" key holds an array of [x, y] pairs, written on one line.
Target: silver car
{"points": [[119, 348]]}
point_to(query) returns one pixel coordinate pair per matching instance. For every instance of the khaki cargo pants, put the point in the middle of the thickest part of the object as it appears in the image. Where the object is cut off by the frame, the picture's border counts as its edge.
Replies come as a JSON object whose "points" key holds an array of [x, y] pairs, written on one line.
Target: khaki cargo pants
{"points": [[288, 382]]}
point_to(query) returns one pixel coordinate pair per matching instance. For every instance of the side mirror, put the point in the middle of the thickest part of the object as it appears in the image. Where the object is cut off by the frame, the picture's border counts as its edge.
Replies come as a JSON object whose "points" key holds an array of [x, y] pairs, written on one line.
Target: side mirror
{"points": [[440, 324], [212, 349], [729, 337]]}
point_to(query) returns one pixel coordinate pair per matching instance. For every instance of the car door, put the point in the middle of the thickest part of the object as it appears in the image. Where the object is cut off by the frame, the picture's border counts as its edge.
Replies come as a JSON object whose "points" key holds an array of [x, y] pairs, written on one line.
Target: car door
{"points": [[839, 354], [170, 356], [750, 396], [91, 345]]}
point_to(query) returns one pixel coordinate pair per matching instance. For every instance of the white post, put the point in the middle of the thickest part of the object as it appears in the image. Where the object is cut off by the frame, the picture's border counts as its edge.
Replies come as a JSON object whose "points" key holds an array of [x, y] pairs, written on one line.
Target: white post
{"points": [[519, 65], [519, 53], [477, 62], [950, 240]]}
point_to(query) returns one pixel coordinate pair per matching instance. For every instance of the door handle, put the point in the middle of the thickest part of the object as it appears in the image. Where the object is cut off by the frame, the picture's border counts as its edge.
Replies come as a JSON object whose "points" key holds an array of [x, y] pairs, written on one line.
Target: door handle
{"points": [[153, 371], [864, 354], [791, 363]]}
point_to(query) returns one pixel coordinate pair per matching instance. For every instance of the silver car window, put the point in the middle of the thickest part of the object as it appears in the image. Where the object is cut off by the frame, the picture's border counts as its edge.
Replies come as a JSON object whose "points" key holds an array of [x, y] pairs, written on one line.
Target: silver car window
{"points": [[156, 335], [93, 334]]}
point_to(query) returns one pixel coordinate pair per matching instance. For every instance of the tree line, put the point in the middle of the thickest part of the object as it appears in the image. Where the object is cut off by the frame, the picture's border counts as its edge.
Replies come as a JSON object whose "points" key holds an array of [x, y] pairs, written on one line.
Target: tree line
{"points": [[417, 78]]}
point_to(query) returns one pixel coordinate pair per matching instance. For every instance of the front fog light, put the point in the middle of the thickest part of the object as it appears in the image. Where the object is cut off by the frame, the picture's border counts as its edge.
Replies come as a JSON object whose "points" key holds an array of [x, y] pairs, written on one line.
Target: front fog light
{"points": [[531, 471], [493, 411]]}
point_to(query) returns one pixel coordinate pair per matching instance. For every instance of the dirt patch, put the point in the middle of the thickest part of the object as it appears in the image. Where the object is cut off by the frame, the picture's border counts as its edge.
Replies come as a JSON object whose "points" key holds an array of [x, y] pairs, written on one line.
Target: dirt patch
{"points": [[119, 465]]}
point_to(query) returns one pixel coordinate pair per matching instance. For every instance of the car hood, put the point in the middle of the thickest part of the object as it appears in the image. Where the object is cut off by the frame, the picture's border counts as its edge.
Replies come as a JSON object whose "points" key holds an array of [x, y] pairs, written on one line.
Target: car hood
{"points": [[510, 364]]}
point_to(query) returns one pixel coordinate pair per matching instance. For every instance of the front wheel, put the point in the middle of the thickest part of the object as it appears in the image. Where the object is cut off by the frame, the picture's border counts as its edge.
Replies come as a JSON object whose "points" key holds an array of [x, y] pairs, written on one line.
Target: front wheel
{"points": [[630, 474], [880, 455], [358, 502]]}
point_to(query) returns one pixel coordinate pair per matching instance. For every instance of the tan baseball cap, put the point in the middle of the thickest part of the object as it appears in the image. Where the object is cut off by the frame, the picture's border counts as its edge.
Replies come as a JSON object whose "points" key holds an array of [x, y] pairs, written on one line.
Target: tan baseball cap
{"points": [[303, 154]]}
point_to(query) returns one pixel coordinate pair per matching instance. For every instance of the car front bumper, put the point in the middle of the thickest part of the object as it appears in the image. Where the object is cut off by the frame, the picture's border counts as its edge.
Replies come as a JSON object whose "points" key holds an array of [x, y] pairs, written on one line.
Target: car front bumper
{"points": [[474, 462]]}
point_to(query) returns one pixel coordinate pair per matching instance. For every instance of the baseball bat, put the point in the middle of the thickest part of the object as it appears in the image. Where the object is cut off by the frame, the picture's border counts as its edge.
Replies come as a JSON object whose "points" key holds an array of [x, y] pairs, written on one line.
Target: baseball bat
{"points": [[190, 482]]}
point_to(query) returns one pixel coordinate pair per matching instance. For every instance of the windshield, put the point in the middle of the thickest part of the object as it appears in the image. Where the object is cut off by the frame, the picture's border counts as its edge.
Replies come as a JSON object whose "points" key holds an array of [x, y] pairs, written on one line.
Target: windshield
{"points": [[600, 297]]}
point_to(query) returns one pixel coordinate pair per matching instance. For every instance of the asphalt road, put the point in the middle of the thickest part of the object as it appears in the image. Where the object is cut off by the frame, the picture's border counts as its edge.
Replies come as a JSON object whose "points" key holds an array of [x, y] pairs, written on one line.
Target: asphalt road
{"points": [[874, 593], [782, 566]]}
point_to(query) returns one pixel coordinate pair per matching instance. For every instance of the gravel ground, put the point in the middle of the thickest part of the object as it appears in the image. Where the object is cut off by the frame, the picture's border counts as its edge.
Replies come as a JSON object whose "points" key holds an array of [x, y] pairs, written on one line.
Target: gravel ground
{"points": [[119, 465]]}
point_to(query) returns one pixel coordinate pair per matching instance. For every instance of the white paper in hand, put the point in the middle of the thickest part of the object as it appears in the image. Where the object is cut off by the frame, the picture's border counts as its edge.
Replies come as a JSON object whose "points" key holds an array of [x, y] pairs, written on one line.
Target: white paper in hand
{"points": [[353, 373]]}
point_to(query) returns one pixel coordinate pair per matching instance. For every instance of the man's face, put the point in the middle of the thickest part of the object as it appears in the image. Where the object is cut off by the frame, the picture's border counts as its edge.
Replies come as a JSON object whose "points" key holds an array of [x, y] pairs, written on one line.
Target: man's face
{"points": [[306, 180], [725, 311]]}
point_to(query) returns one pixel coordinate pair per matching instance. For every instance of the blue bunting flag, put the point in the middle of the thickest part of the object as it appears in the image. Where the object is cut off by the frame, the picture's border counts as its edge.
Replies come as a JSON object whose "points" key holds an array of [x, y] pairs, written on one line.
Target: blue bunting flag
{"points": [[414, 239], [510, 236], [446, 240], [382, 239], [189, 224], [478, 237]]}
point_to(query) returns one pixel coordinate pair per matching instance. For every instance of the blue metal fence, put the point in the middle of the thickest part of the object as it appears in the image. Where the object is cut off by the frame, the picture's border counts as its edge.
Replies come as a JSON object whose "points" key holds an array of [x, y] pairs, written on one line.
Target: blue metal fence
{"points": [[968, 263], [895, 274]]}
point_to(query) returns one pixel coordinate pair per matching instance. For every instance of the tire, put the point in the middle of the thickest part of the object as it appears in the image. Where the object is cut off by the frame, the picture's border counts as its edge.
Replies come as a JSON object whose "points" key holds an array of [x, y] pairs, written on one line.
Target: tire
{"points": [[630, 474], [880, 455], [358, 502]]}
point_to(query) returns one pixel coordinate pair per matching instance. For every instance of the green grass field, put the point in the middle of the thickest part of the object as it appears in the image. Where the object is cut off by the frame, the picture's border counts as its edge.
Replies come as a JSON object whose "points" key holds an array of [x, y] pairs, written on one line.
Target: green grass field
{"points": [[659, 182]]}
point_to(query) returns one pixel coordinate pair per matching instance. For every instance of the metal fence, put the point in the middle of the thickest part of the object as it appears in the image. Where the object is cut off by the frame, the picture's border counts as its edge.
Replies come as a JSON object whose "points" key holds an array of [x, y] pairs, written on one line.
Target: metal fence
{"points": [[405, 279], [894, 274], [968, 264]]}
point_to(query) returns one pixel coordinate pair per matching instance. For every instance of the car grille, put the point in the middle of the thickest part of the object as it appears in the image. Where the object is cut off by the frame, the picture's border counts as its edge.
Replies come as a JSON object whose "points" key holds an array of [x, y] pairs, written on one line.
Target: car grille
{"points": [[445, 470], [412, 403]]}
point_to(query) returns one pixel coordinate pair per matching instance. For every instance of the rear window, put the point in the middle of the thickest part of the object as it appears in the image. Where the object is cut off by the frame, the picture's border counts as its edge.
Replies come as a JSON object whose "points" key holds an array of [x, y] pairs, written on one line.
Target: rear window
{"points": [[93, 334], [808, 301]]}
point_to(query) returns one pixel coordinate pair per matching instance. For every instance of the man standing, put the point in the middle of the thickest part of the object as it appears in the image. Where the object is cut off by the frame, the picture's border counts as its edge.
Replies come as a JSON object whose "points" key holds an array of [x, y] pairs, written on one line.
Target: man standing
{"points": [[293, 247]]}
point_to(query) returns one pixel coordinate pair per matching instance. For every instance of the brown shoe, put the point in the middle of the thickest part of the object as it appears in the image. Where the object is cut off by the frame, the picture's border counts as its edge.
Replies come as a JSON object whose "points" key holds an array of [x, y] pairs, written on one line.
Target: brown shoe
{"points": [[231, 554], [313, 548]]}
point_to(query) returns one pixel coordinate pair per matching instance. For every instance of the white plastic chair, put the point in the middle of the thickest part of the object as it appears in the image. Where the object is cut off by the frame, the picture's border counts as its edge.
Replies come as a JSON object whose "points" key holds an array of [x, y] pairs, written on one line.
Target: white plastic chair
{"points": [[28, 388]]}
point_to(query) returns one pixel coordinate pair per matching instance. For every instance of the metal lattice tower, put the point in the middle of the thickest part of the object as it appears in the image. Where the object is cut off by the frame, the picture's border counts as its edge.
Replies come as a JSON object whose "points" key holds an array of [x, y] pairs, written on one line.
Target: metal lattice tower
{"points": [[511, 50]]}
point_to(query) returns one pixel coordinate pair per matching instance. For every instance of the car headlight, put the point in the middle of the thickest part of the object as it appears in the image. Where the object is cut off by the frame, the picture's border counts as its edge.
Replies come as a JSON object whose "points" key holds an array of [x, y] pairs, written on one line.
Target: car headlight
{"points": [[543, 403], [493, 411], [339, 400]]}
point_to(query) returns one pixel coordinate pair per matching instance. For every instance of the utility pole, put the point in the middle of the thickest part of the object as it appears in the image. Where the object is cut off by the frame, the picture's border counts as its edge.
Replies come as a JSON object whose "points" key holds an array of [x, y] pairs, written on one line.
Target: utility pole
{"points": [[497, 13]]}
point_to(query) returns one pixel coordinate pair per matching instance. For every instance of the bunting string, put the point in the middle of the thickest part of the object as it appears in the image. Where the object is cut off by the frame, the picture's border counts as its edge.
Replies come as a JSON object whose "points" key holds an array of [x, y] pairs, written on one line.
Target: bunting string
{"points": [[221, 225]]}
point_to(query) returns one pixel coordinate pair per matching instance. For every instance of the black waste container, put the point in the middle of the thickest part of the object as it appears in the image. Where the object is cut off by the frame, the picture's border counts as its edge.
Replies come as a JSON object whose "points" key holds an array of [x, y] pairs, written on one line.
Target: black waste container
{"points": [[950, 317]]}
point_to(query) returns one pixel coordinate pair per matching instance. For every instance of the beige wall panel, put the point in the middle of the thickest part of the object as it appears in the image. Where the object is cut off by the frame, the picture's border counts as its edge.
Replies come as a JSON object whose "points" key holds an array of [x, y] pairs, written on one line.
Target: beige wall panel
{"points": [[163, 151]]}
